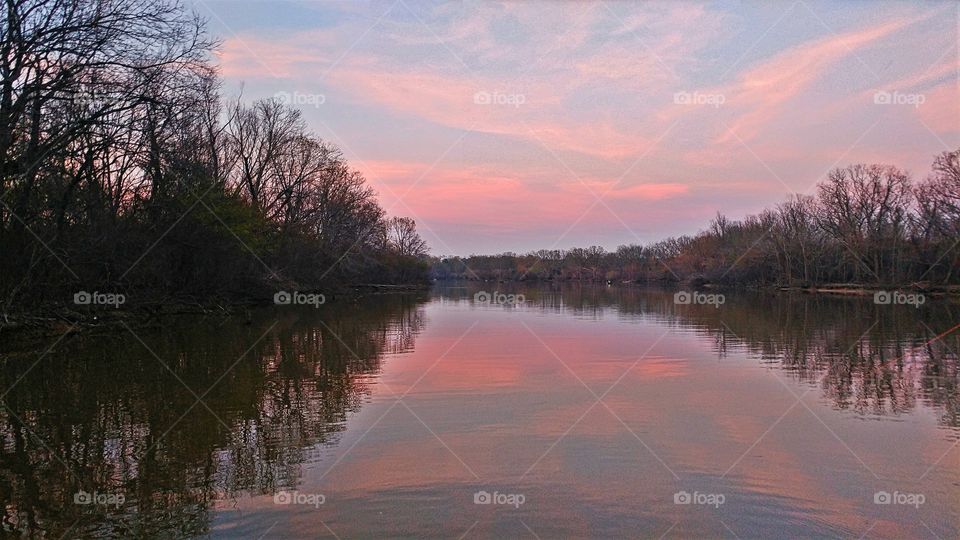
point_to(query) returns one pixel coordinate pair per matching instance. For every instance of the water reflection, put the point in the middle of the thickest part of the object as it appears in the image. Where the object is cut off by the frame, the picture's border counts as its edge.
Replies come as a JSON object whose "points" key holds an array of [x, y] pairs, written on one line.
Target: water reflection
{"points": [[872, 359], [102, 415], [106, 414]]}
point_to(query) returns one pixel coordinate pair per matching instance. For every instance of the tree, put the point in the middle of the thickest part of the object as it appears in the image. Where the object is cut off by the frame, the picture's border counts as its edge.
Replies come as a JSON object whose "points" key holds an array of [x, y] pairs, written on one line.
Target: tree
{"points": [[865, 209], [68, 66], [119, 170], [937, 223], [404, 239]]}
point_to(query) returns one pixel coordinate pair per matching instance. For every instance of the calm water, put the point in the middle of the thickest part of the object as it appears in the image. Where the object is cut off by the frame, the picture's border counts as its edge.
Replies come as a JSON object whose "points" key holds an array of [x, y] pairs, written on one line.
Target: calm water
{"points": [[583, 412]]}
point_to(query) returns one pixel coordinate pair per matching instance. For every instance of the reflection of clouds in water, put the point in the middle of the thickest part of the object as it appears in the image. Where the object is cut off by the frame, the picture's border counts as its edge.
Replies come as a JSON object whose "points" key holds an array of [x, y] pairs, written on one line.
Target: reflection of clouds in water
{"points": [[874, 362], [498, 400]]}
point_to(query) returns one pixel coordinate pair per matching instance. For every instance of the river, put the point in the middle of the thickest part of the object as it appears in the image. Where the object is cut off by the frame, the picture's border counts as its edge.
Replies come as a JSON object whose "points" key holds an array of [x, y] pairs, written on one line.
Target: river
{"points": [[491, 410]]}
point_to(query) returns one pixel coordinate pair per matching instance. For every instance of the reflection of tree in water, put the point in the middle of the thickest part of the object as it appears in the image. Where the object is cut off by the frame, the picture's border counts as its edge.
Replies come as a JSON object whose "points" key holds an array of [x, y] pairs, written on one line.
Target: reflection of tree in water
{"points": [[867, 358], [872, 359], [103, 415]]}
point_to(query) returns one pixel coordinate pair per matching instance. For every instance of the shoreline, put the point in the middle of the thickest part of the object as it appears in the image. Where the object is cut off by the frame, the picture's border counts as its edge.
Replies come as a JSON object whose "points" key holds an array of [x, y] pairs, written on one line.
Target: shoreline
{"points": [[70, 319], [57, 320], [839, 289]]}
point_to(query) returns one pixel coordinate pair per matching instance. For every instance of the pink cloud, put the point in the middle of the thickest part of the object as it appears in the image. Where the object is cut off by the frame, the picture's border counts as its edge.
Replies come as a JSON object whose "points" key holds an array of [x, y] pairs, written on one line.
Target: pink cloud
{"points": [[526, 111], [568, 65], [594, 97], [505, 201], [250, 57], [763, 90], [940, 110]]}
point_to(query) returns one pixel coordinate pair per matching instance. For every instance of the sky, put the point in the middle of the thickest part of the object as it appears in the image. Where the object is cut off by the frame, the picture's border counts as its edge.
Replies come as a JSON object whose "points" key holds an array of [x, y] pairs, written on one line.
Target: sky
{"points": [[516, 126]]}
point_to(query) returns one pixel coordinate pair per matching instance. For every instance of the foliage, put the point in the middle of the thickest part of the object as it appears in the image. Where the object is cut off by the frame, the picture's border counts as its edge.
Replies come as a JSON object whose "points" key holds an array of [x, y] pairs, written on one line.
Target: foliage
{"points": [[121, 168]]}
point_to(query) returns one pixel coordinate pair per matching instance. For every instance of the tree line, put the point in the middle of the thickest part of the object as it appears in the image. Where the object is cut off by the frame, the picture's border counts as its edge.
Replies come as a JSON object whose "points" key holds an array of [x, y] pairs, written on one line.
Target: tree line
{"points": [[865, 224], [122, 167]]}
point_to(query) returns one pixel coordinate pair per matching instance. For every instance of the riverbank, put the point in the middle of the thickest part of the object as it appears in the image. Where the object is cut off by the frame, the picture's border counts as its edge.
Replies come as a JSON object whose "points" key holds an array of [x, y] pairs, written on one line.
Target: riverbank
{"points": [[845, 289], [72, 318], [854, 289]]}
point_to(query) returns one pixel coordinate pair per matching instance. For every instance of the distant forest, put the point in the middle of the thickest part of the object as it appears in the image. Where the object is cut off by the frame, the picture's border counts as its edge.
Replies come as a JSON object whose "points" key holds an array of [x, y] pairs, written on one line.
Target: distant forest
{"points": [[123, 169], [866, 224]]}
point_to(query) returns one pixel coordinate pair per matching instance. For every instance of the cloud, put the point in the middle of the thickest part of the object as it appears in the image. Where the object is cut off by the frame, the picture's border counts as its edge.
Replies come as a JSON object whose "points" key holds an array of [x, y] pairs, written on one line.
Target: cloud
{"points": [[763, 91], [251, 57], [504, 201], [511, 50], [543, 88]]}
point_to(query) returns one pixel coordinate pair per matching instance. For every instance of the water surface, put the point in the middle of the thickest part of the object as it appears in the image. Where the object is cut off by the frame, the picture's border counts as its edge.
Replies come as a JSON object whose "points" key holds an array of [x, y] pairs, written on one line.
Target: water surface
{"points": [[583, 412]]}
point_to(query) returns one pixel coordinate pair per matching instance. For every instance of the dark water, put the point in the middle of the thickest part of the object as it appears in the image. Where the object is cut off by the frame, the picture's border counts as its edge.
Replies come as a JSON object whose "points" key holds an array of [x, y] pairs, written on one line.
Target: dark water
{"points": [[583, 412]]}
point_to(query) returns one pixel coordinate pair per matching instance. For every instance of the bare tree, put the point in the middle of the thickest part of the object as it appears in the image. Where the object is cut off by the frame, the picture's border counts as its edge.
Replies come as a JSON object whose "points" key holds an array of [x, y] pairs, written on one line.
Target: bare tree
{"points": [[865, 209], [67, 65], [937, 223], [260, 135], [403, 237]]}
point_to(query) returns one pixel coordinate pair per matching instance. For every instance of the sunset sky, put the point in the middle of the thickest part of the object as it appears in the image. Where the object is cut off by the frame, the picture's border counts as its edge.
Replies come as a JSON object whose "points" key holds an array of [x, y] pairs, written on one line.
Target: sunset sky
{"points": [[517, 126]]}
